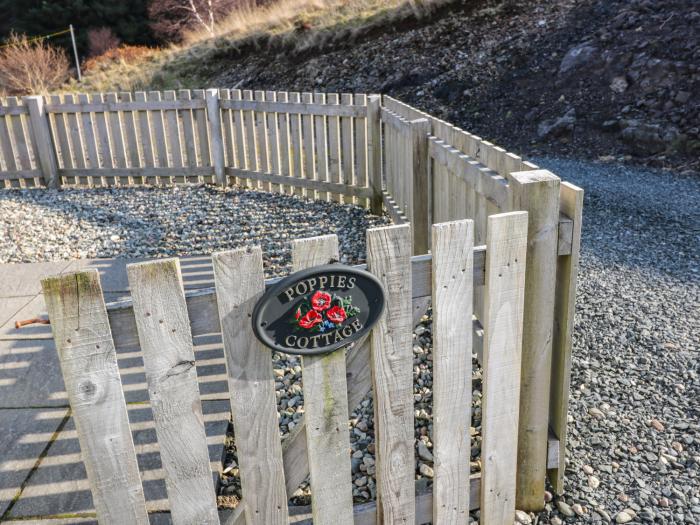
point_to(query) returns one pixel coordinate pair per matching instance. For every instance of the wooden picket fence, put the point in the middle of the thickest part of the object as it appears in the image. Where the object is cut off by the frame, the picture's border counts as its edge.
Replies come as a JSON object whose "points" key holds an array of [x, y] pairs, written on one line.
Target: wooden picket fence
{"points": [[163, 320], [369, 150]]}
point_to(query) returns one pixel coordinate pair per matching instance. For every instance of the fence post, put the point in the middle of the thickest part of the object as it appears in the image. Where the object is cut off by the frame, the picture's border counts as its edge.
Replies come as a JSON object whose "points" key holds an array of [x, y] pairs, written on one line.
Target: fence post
{"points": [[216, 139], [42, 138], [374, 144], [536, 192], [420, 129]]}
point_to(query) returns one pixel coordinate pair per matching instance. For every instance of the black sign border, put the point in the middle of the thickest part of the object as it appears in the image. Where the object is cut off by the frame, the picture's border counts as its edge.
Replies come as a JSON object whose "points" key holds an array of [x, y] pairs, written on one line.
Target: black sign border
{"points": [[279, 287]]}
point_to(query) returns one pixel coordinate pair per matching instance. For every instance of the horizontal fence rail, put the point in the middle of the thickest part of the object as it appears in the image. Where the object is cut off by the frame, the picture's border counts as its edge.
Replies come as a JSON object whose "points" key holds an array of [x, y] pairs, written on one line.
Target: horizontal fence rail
{"points": [[358, 149]]}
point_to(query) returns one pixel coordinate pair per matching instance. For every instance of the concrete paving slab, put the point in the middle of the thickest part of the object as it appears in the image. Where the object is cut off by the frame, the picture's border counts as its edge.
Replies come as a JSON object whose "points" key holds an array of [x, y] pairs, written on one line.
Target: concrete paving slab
{"points": [[25, 434], [34, 308], [25, 279], [9, 306], [60, 483], [30, 375]]}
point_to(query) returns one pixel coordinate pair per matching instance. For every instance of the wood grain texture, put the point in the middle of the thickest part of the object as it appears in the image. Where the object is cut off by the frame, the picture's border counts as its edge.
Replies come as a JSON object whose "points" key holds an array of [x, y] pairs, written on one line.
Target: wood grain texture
{"points": [[326, 408], [89, 365], [389, 259], [571, 204], [168, 355], [238, 275], [506, 250], [536, 192], [420, 192], [453, 261]]}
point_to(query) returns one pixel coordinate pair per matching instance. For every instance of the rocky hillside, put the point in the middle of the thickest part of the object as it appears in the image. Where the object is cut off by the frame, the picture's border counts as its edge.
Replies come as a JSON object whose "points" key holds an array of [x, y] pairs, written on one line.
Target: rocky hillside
{"points": [[601, 79]]}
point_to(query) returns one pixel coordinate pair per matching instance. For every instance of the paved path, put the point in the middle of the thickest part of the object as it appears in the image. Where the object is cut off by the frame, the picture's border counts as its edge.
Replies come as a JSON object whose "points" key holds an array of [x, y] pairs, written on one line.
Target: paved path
{"points": [[41, 472]]}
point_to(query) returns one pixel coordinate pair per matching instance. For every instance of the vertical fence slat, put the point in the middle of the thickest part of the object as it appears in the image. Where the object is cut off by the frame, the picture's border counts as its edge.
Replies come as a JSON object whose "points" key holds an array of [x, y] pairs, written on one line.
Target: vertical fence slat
{"points": [[132, 143], [273, 140], [452, 280], [173, 133], [295, 132], [238, 126], [168, 356], [76, 140], [227, 126], [571, 203], [334, 145], [320, 139], [347, 133], [389, 258], [8, 153], [103, 139], [239, 281], [283, 134], [506, 249], [89, 365], [87, 125], [374, 146], [216, 136], [251, 140], [200, 122], [326, 408], [536, 192], [42, 139], [145, 137], [65, 158], [308, 148], [188, 130], [420, 191], [361, 147], [20, 139], [158, 133], [115, 132], [261, 139]]}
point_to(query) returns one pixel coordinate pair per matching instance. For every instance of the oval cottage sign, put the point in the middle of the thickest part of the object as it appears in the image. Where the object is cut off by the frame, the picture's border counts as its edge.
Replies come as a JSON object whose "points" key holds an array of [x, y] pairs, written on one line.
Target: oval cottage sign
{"points": [[318, 310]]}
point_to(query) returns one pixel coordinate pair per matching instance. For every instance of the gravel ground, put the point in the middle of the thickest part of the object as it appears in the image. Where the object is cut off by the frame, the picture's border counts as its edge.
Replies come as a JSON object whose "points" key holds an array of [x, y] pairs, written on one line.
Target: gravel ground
{"points": [[634, 430], [634, 445], [47, 225]]}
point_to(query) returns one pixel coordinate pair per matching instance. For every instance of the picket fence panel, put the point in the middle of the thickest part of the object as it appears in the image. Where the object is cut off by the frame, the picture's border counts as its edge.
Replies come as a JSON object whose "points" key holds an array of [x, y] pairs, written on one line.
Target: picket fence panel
{"points": [[163, 324]]}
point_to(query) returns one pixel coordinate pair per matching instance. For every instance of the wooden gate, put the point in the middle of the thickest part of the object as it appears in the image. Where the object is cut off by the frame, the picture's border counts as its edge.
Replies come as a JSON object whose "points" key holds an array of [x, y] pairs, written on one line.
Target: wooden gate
{"points": [[86, 336]]}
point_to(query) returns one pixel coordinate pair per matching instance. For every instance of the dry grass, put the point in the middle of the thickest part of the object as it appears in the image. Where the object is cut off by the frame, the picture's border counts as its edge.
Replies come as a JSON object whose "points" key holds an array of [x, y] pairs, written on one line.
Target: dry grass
{"points": [[31, 67], [293, 24]]}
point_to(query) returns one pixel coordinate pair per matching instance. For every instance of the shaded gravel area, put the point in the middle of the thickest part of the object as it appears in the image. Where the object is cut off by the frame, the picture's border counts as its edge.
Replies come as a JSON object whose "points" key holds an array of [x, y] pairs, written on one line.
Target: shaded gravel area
{"points": [[48, 225], [634, 450]]}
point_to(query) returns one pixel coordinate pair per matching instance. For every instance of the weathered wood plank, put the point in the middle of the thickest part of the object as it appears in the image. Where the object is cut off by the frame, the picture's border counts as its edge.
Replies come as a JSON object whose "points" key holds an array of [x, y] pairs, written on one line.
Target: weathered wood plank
{"points": [[168, 356], [308, 146], [374, 146], [188, 133], [251, 139], [283, 134], [389, 259], [506, 250], [347, 134], [116, 136], [273, 141], [296, 140], [333, 125], [89, 364], [326, 408], [145, 136], [173, 133], [297, 108], [420, 190], [240, 135], [453, 284], [59, 125], [158, 133], [87, 124], [361, 147], [132, 144], [216, 136], [571, 204], [202, 131], [139, 105], [320, 140], [536, 192], [239, 283], [42, 139]]}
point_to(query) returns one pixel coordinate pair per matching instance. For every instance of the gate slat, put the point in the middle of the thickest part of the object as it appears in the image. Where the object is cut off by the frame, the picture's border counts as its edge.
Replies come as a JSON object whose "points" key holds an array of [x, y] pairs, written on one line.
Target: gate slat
{"points": [[60, 126], [75, 138], [326, 408], [158, 132], [361, 147], [89, 365], [227, 126], [87, 120], [115, 132], [452, 276], [173, 133], [389, 258], [238, 126], [239, 280], [506, 249], [251, 142], [168, 356]]}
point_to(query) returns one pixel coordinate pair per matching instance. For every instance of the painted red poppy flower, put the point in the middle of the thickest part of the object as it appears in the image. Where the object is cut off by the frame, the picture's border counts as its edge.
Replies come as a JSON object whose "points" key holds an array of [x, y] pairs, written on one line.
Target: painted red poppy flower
{"points": [[320, 301], [311, 319], [336, 314]]}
